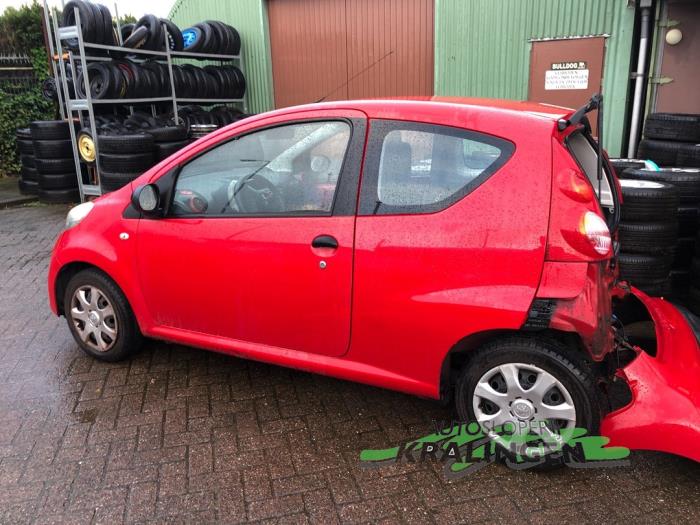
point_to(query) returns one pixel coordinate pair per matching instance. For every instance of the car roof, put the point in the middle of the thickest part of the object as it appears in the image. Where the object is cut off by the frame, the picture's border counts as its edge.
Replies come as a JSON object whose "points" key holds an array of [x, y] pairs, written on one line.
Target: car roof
{"points": [[377, 108]]}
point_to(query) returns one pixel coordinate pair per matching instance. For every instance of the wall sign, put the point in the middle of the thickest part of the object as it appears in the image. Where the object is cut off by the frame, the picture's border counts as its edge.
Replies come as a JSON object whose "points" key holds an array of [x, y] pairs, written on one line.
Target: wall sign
{"points": [[566, 75]]}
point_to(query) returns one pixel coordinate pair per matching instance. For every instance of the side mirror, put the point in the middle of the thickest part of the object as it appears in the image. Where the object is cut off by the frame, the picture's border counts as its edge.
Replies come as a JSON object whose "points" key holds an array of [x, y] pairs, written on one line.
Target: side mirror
{"points": [[146, 199]]}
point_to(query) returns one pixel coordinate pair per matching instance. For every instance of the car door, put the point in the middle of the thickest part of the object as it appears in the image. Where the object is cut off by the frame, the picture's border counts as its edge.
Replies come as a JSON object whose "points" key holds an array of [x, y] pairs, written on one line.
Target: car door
{"points": [[257, 241]]}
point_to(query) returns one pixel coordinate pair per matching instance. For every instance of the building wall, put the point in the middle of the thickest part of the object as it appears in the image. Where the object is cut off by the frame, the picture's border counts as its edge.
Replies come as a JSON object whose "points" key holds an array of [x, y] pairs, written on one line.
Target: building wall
{"points": [[249, 17], [482, 48]]}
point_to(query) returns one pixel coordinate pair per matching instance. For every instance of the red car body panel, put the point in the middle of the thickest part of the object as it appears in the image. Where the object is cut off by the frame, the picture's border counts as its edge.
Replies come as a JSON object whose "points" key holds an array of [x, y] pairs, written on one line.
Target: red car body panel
{"points": [[401, 290], [664, 414]]}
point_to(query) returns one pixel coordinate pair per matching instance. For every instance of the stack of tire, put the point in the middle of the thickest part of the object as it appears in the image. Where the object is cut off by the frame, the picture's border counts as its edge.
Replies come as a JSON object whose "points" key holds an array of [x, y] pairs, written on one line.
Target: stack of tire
{"points": [[167, 140], [123, 158], [53, 152], [648, 233], [28, 177], [671, 140], [95, 21]]}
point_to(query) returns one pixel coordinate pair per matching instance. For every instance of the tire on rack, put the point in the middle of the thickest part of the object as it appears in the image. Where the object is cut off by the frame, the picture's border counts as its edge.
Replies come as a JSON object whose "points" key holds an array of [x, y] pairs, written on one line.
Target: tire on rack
{"points": [[155, 39], [126, 31], [165, 149], [98, 17], [131, 143], [59, 196], [687, 180], [644, 267], [648, 237], [168, 133], [515, 364], [58, 181], [55, 165], [673, 126], [53, 149], [137, 39], [51, 129], [87, 21], [126, 162], [107, 26], [174, 35], [193, 39], [645, 200]]}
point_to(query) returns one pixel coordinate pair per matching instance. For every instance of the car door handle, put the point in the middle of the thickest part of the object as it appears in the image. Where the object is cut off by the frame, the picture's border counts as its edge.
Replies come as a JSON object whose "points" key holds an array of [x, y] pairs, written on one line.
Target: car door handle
{"points": [[325, 241]]}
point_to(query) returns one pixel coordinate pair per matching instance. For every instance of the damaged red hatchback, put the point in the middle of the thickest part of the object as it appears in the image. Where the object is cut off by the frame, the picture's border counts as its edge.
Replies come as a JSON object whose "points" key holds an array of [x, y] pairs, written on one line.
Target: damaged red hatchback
{"points": [[448, 248]]}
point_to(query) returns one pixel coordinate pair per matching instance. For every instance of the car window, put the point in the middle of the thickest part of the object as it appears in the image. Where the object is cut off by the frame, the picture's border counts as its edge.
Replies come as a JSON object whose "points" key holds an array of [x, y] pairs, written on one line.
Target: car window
{"points": [[422, 168], [285, 170]]}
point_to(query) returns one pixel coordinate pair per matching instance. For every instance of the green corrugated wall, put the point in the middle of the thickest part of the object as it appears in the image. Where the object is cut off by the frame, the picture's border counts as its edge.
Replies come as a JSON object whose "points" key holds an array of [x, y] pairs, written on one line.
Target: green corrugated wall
{"points": [[482, 48], [249, 17]]}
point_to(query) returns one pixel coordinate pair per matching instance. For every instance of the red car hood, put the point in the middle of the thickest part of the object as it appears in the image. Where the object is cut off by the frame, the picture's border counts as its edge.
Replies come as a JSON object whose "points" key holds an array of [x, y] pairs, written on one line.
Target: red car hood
{"points": [[664, 413]]}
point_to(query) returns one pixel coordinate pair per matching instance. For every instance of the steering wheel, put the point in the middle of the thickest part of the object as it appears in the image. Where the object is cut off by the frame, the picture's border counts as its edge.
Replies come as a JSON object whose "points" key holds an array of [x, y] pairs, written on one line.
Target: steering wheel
{"points": [[188, 202], [256, 194]]}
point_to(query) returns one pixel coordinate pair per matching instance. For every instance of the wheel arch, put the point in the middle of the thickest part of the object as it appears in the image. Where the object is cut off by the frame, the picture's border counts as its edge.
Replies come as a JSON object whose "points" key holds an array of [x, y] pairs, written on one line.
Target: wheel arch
{"points": [[461, 351]]}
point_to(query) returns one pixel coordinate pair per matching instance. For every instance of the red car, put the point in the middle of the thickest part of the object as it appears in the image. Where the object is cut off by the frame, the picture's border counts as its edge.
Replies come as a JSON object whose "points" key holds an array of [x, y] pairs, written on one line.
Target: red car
{"points": [[447, 248]]}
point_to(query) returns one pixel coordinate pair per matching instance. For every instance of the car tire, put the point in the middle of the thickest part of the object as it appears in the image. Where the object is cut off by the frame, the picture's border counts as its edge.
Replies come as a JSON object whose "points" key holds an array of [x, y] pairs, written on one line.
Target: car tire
{"points": [[137, 38], [165, 149], [683, 253], [174, 35], [689, 156], [27, 160], [680, 282], [636, 267], [666, 152], [648, 237], [59, 196], [28, 187], [693, 299], [131, 143], [51, 129], [55, 165], [58, 181], [193, 39], [687, 180], [113, 181], [53, 149], [622, 164], [657, 288], [688, 217], [29, 174], [575, 381], [673, 126], [126, 162], [87, 21], [648, 200], [90, 294], [168, 133], [25, 146]]}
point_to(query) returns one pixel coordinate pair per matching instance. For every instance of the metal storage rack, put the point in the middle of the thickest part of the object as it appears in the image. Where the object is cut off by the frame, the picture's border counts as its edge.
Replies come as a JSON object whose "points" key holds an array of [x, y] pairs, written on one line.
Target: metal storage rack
{"points": [[64, 59]]}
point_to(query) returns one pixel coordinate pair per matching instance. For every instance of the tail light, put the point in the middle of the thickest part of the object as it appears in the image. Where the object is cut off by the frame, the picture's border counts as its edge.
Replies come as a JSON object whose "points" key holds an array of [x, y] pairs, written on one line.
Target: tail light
{"points": [[577, 229], [594, 228]]}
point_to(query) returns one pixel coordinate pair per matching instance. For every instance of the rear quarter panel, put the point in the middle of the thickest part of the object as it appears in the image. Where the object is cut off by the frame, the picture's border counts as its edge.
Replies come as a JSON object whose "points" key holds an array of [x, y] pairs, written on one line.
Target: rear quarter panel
{"points": [[424, 282]]}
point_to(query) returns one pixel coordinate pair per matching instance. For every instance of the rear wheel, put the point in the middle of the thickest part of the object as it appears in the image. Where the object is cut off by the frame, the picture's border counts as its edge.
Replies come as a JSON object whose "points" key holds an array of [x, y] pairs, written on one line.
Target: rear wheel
{"points": [[529, 386], [99, 317]]}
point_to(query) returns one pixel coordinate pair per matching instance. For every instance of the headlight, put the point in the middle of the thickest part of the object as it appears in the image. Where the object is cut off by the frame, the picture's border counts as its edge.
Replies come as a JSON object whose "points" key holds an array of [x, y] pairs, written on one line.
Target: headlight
{"points": [[78, 213]]}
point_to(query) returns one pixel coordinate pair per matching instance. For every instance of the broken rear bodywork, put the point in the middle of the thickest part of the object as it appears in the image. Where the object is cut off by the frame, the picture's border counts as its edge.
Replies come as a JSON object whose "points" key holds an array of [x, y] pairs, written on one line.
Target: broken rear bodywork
{"points": [[664, 380]]}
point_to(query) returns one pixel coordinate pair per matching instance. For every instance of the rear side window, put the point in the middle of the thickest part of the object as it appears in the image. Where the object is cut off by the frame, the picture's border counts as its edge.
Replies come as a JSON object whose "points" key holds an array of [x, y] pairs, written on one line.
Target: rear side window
{"points": [[422, 168], [587, 157]]}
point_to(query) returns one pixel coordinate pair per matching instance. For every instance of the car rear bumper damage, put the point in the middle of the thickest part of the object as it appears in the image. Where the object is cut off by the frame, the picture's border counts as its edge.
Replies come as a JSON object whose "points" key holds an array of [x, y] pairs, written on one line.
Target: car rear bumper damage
{"points": [[664, 414]]}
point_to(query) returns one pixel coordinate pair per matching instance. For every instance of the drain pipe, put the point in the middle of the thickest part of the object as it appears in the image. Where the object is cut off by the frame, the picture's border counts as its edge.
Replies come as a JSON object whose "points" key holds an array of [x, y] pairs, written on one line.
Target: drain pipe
{"points": [[639, 78]]}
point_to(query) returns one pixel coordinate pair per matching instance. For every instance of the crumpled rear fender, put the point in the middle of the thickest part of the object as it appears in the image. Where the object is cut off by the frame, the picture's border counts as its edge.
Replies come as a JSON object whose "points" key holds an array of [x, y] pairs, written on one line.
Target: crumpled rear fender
{"points": [[664, 413]]}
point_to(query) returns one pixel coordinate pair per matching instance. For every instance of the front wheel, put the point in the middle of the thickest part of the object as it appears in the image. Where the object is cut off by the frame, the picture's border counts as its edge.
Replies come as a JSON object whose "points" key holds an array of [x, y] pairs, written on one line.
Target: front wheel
{"points": [[99, 316], [528, 386]]}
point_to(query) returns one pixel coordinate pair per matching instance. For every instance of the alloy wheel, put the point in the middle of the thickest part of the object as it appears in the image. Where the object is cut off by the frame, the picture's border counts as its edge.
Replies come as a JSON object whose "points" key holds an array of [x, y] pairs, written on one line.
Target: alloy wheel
{"points": [[94, 318]]}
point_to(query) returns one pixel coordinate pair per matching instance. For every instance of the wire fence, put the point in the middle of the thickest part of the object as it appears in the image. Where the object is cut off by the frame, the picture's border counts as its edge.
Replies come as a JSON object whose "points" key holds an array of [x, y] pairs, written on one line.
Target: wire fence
{"points": [[16, 73]]}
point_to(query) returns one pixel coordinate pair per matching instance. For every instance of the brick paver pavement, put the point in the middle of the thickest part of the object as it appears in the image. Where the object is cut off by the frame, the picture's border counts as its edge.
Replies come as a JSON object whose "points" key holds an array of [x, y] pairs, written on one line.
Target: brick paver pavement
{"points": [[182, 435]]}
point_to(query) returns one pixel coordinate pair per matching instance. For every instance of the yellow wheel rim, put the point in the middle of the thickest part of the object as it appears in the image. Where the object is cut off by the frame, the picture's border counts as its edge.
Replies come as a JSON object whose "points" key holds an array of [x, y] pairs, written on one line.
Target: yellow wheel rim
{"points": [[86, 148]]}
